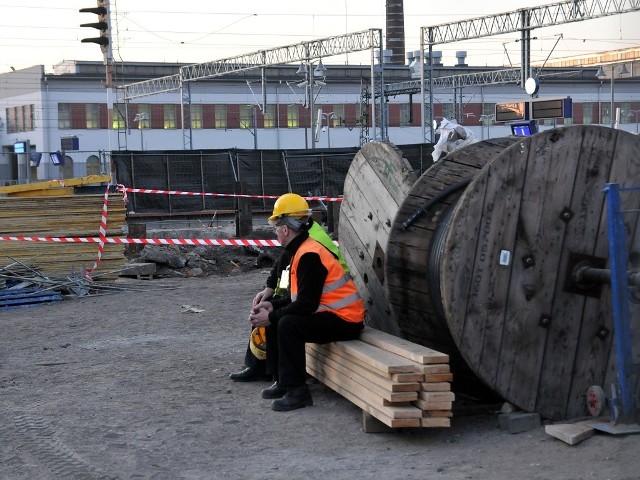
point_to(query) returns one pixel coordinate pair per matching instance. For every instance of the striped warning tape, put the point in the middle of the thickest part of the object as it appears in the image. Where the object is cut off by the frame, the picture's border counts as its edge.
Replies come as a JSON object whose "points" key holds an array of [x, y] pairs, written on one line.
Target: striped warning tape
{"points": [[103, 233], [123, 189], [225, 242]]}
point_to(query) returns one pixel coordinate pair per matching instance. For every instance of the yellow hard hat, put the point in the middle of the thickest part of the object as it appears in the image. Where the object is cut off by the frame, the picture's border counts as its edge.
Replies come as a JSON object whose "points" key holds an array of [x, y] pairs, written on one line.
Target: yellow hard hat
{"points": [[258, 343], [289, 205]]}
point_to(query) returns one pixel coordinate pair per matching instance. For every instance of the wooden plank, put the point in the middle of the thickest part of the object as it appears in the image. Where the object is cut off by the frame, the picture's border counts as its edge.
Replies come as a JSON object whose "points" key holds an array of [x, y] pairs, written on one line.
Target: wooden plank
{"points": [[402, 347], [360, 362], [438, 377], [438, 396], [427, 405], [67, 182], [407, 377], [377, 384], [44, 193], [435, 386], [381, 413], [570, 433], [435, 369], [437, 413], [372, 397], [432, 422], [384, 362]]}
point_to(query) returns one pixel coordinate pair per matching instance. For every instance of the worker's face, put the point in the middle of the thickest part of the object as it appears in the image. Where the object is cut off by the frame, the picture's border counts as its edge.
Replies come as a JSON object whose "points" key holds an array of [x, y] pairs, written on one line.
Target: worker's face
{"points": [[282, 232]]}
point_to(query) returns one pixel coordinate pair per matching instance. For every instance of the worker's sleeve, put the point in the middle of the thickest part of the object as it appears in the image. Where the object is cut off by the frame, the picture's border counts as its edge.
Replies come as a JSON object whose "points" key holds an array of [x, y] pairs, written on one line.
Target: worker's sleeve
{"points": [[311, 277], [280, 265], [272, 279]]}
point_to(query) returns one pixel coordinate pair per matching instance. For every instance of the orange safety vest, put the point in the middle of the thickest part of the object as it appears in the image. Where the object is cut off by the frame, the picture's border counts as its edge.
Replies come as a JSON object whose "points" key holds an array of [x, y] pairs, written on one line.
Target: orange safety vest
{"points": [[339, 294]]}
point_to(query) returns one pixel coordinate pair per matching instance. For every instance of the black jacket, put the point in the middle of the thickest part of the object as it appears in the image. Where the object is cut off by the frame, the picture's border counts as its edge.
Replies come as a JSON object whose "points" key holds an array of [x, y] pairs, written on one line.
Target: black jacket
{"points": [[311, 276]]}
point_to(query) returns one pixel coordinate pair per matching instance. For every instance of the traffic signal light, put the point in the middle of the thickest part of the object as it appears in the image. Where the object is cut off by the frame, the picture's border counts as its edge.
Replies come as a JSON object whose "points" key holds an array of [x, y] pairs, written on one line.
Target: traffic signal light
{"points": [[102, 10]]}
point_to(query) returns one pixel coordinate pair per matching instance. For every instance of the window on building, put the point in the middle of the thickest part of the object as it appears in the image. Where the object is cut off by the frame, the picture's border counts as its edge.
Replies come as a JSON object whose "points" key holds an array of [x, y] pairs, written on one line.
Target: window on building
{"points": [[93, 165], [119, 116], [92, 115], [27, 115], [293, 116], [488, 115], [269, 118], [195, 114], [587, 113], [624, 112], [64, 116], [605, 113], [405, 115], [337, 120], [246, 116], [221, 116], [170, 121], [448, 111], [143, 116]]}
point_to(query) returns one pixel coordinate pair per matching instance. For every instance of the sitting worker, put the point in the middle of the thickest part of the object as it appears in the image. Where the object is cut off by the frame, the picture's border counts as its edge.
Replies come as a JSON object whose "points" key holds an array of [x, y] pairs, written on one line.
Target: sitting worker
{"points": [[255, 355], [324, 306]]}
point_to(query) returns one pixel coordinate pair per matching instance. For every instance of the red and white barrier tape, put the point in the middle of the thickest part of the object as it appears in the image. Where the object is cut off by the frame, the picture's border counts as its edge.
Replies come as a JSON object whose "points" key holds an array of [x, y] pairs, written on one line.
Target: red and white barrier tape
{"points": [[103, 233], [225, 242], [123, 189]]}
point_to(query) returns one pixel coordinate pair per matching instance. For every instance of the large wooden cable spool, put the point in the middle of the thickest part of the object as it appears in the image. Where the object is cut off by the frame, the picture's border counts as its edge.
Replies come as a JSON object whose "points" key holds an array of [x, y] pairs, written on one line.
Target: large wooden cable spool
{"points": [[413, 254], [514, 240], [485, 272], [376, 184]]}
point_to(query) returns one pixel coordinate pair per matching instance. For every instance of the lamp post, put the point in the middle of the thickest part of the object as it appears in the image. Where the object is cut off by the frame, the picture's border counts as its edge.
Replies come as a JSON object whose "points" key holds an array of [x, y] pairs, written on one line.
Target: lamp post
{"points": [[601, 75], [329, 116], [634, 114], [308, 84], [140, 118], [486, 120]]}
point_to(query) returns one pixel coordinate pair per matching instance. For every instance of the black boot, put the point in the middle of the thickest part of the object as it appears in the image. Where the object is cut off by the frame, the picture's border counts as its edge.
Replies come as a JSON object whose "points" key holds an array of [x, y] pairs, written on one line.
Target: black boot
{"points": [[249, 374], [296, 397], [274, 391]]}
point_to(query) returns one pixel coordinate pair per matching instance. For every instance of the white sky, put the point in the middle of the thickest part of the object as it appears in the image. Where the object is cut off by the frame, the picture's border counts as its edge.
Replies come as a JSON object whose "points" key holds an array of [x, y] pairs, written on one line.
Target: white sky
{"points": [[198, 31]]}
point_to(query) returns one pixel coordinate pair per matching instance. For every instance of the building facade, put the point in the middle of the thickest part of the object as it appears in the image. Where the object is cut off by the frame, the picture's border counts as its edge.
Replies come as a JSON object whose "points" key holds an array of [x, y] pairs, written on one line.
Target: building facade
{"points": [[66, 122]]}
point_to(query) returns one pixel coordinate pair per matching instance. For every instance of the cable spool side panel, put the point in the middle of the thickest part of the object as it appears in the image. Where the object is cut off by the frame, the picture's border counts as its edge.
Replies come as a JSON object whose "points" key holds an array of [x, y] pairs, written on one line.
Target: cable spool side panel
{"points": [[505, 272], [376, 184], [409, 248], [413, 249]]}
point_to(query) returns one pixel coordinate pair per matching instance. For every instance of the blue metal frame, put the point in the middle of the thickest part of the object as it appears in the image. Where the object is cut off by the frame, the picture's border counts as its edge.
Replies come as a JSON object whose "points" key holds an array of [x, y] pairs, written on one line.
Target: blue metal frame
{"points": [[618, 258]]}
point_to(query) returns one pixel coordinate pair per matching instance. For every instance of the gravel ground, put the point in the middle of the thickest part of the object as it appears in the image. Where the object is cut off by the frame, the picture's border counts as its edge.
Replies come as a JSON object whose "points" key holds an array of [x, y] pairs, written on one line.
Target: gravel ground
{"points": [[134, 385]]}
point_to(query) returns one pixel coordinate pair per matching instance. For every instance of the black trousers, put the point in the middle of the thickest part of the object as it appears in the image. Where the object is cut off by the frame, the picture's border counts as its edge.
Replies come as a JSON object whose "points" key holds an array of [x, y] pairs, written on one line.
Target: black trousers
{"points": [[286, 340]]}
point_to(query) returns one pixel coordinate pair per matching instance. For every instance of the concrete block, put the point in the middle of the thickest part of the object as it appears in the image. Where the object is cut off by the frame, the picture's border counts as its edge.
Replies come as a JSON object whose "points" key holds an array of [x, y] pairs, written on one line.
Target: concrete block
{"points": [[139, 270], [518, 422]]}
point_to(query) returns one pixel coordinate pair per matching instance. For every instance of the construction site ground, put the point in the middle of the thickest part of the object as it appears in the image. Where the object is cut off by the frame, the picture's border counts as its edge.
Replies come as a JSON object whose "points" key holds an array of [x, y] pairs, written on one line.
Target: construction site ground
{"points": [[134, 385]]}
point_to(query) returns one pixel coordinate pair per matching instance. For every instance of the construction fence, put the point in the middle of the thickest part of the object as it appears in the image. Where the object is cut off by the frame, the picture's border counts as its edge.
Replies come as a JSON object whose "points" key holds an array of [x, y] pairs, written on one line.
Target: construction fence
{"points": [[261, 172]]}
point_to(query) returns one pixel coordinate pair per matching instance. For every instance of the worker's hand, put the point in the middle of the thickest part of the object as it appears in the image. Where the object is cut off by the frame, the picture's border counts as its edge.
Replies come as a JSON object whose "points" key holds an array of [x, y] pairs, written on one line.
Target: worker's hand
{"points": [[265, 294], [259, 316]]}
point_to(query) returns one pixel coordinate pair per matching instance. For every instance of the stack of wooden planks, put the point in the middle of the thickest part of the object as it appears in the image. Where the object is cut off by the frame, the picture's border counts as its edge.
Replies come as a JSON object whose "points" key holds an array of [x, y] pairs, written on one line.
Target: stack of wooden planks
{"points": [[63, 216], [400, 383]]}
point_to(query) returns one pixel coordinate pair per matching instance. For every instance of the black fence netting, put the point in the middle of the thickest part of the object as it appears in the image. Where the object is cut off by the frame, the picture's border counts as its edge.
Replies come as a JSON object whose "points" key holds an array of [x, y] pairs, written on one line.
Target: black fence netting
{"points": [[259, 173]]}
